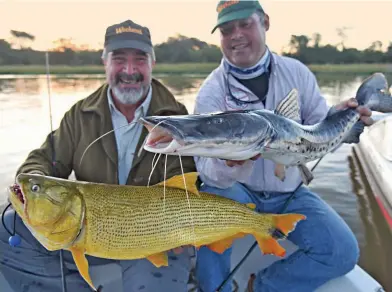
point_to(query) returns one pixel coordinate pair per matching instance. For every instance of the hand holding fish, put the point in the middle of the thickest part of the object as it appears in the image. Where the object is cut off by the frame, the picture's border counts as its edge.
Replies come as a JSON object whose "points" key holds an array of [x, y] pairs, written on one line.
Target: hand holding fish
{"points": [[365, 112]]}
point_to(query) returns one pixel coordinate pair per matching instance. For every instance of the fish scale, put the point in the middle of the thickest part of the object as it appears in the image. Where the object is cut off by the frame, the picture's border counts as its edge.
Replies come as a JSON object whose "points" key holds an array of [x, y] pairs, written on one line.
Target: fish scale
{"points": [[139, 224]]}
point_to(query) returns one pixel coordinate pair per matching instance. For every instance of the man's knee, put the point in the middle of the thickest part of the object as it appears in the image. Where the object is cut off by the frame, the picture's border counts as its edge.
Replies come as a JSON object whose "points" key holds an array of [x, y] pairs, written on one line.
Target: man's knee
{"points": [[338, 252], [345, 254]]}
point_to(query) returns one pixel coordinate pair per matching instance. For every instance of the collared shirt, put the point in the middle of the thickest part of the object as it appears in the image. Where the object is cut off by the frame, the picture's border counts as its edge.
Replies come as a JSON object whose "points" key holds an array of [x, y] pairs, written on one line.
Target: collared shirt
{"points": [[286, 74], [127, 137]]}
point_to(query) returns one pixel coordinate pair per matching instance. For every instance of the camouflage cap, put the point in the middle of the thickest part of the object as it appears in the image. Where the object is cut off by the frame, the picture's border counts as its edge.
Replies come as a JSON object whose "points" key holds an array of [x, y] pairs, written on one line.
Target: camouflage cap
{"points": [[234, 10]]}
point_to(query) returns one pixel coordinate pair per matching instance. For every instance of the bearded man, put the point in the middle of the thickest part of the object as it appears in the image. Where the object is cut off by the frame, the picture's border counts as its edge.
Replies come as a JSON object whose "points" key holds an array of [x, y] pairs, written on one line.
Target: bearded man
{"points": [[129, 93]]}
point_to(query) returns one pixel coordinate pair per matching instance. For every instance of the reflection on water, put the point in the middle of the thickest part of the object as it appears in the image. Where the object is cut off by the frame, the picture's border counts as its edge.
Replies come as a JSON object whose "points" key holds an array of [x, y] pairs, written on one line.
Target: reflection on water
{"points": [[376, 234], [24, 124]]}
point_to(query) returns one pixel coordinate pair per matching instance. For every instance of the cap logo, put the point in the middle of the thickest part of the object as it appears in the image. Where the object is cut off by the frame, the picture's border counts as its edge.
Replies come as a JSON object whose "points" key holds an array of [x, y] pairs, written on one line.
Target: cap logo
{"points": [[226, 4], [123, 29]]}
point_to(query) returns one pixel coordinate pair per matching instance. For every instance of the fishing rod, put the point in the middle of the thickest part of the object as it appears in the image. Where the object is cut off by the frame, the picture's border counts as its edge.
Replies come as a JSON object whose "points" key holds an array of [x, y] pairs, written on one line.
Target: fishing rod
{"points": [[14, 239], [240, 263], [63, 281]]}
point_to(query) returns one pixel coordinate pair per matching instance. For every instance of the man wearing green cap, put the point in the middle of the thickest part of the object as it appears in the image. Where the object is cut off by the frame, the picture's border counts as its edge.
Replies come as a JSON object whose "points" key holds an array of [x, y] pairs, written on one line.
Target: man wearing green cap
{"points": [[129, 93], [250, 76]]}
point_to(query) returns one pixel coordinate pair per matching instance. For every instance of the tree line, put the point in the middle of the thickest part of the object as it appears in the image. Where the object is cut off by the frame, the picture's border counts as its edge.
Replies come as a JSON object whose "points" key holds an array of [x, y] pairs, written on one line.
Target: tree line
{"points": [[181, 49]]}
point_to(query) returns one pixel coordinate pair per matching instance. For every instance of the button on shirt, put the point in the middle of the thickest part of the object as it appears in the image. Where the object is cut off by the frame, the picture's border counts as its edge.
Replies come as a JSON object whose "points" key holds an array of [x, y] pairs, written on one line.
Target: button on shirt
{"points": [[127, 137]]}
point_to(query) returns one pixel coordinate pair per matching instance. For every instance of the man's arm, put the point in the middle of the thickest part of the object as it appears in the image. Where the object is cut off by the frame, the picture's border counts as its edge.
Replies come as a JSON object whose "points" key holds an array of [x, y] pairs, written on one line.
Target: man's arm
{"points": [[213, 171], [41, 160]]}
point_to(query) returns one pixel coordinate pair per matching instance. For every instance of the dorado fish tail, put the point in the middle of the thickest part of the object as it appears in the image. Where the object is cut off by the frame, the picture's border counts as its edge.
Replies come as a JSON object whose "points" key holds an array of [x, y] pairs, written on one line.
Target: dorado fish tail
{"points": [[287, 222], [284, 224]]}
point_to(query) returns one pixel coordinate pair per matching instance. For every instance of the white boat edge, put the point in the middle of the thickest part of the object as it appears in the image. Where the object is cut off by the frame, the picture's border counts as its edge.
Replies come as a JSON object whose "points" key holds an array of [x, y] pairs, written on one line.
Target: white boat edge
{"points": [[378, 166]]}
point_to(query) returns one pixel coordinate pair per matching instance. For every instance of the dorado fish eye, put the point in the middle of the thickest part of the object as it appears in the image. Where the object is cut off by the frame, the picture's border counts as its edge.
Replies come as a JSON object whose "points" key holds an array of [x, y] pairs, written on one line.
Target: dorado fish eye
{"points": [[35, 188]]}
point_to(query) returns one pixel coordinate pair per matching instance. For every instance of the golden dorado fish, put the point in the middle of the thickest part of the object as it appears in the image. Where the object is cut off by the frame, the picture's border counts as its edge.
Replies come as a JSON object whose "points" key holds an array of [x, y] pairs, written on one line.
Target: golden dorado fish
{"points": [[132, 222]]}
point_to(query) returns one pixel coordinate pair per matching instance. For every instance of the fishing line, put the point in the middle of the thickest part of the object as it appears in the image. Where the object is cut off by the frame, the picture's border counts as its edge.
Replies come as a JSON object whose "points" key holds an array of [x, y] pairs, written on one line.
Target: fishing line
{"points": [[228, 278], [111, 131]]}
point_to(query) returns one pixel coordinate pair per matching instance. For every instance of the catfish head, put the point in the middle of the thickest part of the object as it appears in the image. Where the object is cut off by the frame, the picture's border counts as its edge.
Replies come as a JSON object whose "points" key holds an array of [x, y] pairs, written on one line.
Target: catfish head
{"points": [[235, 135]]}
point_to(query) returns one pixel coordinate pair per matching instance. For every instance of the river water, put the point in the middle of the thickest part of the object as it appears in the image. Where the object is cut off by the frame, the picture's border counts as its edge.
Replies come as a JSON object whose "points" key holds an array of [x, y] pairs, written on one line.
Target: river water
{"points": [[25, 122]]}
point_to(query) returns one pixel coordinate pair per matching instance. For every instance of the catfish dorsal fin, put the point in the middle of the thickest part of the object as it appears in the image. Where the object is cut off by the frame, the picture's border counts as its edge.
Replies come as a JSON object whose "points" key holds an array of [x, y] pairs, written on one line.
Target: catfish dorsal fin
{"points": [[289, 106], [177, 182]]}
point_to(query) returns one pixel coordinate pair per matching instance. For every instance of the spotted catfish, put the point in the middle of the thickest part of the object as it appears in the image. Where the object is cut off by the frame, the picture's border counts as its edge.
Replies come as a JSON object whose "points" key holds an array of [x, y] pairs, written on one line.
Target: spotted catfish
{"points": [[276, 135]]}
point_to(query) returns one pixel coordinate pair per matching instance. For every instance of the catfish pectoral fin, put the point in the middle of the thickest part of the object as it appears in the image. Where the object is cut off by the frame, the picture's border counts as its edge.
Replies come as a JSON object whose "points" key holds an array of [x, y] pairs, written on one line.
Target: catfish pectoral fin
{"points": [[280, 171]]}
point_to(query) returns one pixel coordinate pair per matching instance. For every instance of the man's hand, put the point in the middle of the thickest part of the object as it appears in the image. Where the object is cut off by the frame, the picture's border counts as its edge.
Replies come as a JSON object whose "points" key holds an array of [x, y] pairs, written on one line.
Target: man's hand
{"points": [[232, 163], [363, 111]]}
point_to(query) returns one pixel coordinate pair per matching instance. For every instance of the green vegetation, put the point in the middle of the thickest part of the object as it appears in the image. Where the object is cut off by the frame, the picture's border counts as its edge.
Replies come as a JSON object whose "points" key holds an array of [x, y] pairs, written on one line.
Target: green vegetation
{"points": [[190, 69], [184, 55]]}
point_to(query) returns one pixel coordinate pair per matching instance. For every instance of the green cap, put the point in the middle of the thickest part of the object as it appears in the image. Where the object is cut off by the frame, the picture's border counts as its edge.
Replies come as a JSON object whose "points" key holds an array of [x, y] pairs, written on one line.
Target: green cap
{"points": [[235, 9]]}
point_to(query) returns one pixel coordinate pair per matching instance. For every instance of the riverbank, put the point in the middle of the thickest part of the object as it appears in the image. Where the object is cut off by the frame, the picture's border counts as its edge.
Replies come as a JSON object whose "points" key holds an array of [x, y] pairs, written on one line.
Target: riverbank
{"points": [[188, 68]]}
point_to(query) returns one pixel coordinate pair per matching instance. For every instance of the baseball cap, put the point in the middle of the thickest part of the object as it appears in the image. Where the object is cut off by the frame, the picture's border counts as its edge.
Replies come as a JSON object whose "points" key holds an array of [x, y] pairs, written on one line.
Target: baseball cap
{"points": [[128, 35], [234, 10]]}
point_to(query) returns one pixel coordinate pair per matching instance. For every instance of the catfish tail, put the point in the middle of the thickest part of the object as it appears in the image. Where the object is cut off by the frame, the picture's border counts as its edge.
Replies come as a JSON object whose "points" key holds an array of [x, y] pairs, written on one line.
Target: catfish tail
{"points": [[374, 93]]}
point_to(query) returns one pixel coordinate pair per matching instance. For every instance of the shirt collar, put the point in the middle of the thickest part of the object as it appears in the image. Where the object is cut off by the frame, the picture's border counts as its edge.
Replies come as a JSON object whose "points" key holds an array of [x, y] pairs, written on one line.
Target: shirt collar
{"points": [[138, 112]]}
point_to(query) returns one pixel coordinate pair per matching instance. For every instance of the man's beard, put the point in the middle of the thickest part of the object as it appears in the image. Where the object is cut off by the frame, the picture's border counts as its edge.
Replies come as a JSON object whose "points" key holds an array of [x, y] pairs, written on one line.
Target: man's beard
{"points": [[129, 95]]}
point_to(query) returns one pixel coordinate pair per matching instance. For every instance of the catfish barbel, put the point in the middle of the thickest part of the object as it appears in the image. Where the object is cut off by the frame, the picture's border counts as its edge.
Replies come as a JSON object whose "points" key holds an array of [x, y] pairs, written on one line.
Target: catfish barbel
{"points": [[124, 222], [276, 135]]}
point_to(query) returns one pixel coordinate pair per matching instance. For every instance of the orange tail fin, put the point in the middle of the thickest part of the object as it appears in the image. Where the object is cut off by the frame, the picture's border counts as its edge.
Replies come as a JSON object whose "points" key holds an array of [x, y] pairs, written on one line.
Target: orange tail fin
{"points": [[269, 245], [287, 222]]}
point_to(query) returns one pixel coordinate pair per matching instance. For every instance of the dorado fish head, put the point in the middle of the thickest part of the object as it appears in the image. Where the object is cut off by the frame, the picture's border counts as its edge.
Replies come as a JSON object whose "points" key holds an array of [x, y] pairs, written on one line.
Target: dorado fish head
{"points": [[51, 208], [233, 135]]}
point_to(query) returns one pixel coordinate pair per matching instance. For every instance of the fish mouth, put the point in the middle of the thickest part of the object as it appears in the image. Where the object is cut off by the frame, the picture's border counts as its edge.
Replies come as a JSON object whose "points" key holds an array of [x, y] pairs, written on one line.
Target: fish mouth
{"points": [[163, 137], [18, 199], [231, 135], [16, 190]]}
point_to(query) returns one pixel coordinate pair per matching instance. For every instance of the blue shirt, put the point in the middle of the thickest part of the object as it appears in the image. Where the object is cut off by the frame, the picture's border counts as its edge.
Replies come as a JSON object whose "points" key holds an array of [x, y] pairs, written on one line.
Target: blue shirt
{"points": [[127, 137]]}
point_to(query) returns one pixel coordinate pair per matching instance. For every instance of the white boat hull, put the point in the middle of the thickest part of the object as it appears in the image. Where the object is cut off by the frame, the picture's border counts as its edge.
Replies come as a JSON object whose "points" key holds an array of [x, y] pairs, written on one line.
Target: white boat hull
{"points": [[375, 155]]}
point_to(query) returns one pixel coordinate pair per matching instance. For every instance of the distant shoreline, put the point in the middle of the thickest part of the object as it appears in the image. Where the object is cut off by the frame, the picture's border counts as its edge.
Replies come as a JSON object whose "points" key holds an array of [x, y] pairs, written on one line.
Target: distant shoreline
{"points": [[186, 68]]}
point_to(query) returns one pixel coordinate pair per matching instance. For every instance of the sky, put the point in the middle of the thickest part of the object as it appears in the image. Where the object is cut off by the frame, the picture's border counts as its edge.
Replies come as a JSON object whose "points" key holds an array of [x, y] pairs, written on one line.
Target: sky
{"points": [[85, 21]]}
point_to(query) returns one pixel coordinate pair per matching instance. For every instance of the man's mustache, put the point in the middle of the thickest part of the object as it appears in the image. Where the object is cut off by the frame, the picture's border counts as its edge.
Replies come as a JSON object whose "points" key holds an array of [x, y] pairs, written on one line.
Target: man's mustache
{"points": [[135, 77]]}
